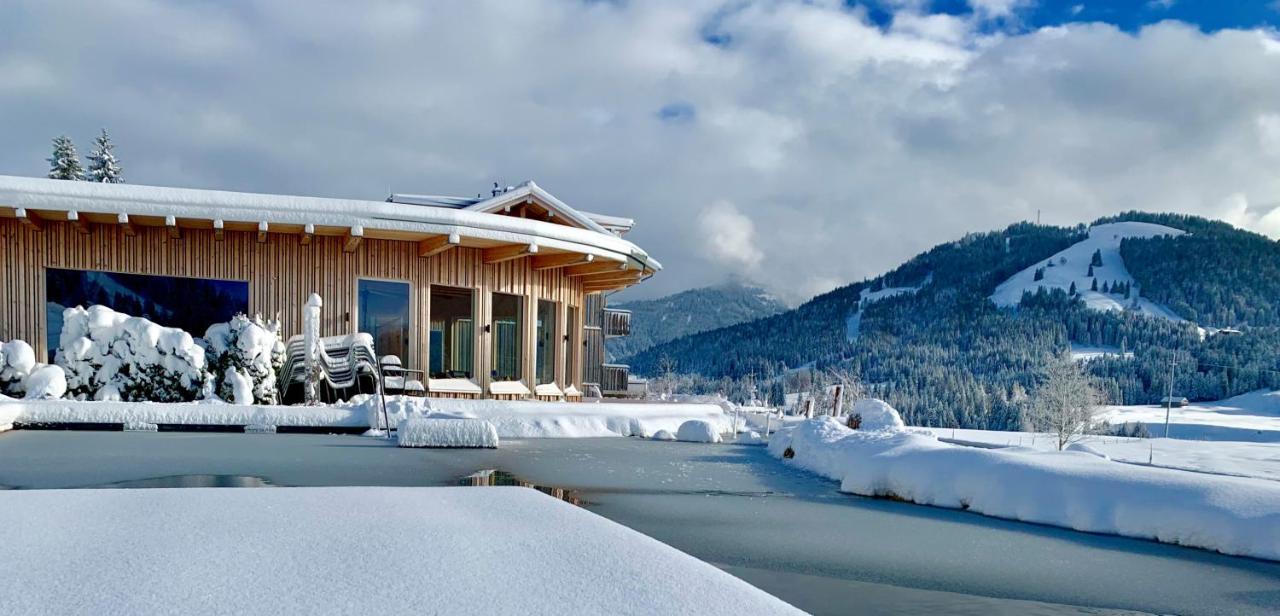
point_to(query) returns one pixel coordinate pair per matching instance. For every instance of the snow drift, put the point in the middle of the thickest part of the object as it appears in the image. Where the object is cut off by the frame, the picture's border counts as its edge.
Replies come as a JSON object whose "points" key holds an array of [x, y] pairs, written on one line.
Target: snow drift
{"points": [[1080, 491], [876, 415], [697, 431], [423, 432], [536, 419]]}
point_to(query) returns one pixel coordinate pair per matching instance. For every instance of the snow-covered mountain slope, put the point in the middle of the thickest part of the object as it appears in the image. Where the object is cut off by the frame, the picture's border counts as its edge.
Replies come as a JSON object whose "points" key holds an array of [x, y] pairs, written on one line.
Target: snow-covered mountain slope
{"points": [[1072, 266], [688, 312]]}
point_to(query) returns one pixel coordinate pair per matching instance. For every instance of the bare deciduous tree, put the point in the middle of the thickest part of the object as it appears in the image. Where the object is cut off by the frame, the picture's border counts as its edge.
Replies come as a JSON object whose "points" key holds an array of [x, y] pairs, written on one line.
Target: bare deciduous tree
{"points": [[1066, 404]]}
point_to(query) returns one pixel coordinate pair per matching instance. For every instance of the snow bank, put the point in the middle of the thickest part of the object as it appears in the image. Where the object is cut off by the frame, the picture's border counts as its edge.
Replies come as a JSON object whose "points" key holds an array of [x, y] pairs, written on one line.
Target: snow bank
{"points": [[456, 550], [107, 355], [422, 432], [697, 431], [877, 415], [186, 413], [1239, 516], [663, 435], [536, 419]]}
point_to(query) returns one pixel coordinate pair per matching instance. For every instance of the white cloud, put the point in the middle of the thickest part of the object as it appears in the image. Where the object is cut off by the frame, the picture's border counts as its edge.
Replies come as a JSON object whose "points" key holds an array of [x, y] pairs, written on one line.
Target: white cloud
{"points": [[1161, 4], [843, 147], [729, 237]]}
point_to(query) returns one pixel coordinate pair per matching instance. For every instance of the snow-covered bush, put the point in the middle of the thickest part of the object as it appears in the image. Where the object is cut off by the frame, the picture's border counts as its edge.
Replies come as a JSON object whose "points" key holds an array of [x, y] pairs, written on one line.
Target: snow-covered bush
{"points": [[663, 435], [107, 355], [698, 431], [243, 355], [876, 415], [17, 360], [46, 382]]}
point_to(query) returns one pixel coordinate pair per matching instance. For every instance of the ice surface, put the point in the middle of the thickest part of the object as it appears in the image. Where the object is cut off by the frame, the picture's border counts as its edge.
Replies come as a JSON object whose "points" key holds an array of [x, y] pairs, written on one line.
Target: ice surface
{"points": [[314, 550], [425, 432], [1232, 515]]}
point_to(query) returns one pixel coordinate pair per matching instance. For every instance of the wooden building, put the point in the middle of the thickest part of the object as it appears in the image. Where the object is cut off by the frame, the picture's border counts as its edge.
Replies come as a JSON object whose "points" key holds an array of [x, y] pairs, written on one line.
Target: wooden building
{"points": [[486, 296]]}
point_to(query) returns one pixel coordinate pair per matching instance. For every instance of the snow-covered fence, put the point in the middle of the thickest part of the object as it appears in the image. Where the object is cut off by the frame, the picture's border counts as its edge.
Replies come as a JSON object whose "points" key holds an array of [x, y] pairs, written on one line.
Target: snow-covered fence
{"points": [[243, 356], [107, 355]]}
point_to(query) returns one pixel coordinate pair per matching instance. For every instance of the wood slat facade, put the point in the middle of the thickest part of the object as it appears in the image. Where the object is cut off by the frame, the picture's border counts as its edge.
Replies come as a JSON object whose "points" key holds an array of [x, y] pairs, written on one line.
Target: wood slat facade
{"points": [[281, 271]]}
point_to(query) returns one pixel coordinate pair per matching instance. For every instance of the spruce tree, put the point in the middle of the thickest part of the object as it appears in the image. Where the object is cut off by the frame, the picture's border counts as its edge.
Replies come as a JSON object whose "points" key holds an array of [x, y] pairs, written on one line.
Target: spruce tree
{"points": [[1072, 291], [1090, 274], [1097, 258], [1095, 285], [65, 163], [103, 166], [1039, 274]]}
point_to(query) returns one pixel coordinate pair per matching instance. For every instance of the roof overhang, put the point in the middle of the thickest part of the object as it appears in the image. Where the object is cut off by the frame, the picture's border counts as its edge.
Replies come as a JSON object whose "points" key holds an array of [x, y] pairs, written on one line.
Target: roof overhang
{"points": [[82, 203]]}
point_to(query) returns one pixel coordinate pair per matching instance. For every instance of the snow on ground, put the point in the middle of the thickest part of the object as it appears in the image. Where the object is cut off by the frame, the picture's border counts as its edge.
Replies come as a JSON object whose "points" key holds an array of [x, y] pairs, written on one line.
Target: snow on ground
{"points": [[1081, 352], [424, 432], [1252, 417], [1260, 460], [316, 550], [1106, 239], [531, 419], [697, 431], [519, 419], [186, 413], [1076, 490]]}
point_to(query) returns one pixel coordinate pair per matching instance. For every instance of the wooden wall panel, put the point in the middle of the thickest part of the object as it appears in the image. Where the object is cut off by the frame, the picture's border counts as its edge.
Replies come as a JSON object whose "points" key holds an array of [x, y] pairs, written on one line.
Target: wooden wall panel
{"points": [[281, 273]]}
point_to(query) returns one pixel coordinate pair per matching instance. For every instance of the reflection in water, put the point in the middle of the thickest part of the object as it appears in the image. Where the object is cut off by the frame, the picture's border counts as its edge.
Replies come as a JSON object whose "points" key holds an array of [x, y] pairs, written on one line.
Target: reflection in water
{"points": [[191, 481], [492, 477]]}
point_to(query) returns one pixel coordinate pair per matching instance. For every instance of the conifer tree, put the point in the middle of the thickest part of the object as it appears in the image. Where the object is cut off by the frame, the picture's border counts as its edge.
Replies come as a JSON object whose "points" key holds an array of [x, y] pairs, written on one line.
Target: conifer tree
{"points": [[1097, 258], [1095, 285], [65, 163], [1072, 290], [103, 166]]}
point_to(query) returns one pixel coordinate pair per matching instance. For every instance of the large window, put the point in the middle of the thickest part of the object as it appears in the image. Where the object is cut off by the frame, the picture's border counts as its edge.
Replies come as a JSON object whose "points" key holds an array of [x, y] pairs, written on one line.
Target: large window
{"points": [[507, 347], [191, 304], [452, 333], [383, 311], [547, 344], [572, 340]]}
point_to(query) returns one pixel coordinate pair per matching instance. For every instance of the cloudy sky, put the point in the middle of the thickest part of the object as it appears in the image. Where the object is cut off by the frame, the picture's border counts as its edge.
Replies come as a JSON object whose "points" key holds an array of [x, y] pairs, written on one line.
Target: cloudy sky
{"points": [[802, 145]]}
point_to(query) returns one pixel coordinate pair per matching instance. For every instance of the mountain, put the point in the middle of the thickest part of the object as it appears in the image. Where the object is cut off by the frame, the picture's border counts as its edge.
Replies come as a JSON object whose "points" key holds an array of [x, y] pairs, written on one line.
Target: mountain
{"points": [[697, 310], [958, 335]]}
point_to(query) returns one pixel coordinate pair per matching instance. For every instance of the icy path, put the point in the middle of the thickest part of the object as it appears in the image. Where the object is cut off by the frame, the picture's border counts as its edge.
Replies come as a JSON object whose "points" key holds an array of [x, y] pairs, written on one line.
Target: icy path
{"points": [[784, 529]]}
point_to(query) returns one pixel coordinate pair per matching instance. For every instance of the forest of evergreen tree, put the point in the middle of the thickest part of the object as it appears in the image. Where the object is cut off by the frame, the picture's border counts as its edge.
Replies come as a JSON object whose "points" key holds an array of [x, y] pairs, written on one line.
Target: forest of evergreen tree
{"points": [[947, 356]]}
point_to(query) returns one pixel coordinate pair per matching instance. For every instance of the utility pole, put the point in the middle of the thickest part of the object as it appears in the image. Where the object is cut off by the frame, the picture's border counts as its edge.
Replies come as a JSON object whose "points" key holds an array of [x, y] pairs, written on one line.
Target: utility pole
{"points": [[1168, 401]]}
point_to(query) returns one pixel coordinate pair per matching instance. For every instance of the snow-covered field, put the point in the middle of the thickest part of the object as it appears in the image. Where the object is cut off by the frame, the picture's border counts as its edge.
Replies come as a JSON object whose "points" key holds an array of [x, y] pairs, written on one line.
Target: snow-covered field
{"points": [[1219, 457], [519, 419], [1072, 489], [1072, 266], [344, 550], [1252, 417]]}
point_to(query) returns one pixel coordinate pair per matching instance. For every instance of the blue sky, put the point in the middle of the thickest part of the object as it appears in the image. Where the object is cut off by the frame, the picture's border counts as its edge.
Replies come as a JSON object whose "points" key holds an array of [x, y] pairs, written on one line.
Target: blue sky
{"points": [[1128, 15]]}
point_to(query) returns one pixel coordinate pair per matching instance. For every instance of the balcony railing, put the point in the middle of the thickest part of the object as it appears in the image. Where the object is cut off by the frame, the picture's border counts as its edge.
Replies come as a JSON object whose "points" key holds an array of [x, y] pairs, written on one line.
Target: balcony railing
{"points": [[617, 323], [614, 377]]}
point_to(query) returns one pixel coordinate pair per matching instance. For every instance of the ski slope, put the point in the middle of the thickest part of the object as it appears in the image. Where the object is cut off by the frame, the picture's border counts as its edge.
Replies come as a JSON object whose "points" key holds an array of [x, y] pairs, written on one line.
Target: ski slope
{"points": [[1072, 266]]}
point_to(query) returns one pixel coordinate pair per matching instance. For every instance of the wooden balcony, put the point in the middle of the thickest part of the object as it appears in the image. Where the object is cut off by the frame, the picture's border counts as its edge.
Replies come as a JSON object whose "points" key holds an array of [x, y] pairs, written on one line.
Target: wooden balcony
{"points": [[613, 379], [617, 323]]}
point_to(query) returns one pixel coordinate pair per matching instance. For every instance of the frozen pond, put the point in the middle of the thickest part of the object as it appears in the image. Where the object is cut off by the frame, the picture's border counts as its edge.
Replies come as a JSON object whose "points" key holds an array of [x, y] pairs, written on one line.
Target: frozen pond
{"points": [[783, 530]]}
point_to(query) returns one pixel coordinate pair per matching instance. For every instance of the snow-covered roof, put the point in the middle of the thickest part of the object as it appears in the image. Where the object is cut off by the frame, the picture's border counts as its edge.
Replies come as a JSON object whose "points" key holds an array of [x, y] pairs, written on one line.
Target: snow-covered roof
{"points": [[373, 219]]}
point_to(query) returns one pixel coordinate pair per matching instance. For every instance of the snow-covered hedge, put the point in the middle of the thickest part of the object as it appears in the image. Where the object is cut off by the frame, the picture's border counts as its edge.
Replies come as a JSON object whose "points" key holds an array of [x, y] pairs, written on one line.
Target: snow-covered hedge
{"points": [[1076, 490], [17, 360], [107, 355], [243, 356], [698, 431]]}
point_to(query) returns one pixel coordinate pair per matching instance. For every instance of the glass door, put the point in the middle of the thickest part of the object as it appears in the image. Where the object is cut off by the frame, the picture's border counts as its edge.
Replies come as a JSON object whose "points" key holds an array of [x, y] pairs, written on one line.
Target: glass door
{"points": [[452, 333], [507, 342], [382, 308], [546, 336]]}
